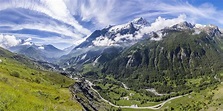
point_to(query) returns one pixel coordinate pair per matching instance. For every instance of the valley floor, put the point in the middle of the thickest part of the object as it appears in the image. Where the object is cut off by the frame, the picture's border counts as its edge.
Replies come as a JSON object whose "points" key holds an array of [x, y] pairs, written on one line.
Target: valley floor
{"points": [[155, 107], [208, 99]]}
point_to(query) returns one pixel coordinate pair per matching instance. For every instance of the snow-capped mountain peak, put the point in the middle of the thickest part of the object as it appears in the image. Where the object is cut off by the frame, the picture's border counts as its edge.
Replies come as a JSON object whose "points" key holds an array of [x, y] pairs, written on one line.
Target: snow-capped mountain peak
{"points": [[116, 34], [119, 28], [137, 29], [183, 25], [136, 24], [210, 29], [125, 35], [25, 42], [140, 21]]}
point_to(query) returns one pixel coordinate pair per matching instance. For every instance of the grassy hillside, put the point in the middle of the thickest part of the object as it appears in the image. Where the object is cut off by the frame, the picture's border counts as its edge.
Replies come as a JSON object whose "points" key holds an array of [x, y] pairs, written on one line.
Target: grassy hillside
{"points": [[23, 87], [210, 99]]}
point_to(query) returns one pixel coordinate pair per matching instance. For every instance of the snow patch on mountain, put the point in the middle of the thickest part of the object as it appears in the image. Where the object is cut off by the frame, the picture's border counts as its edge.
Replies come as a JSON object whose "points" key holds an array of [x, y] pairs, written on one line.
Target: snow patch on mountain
{"points": [[41, 48], [157, 36], [83, 57], [137, 23], [139, 29], [103, 41], [118, 34], [27, 42], [199, 26], [210, 29], [221, 30]]}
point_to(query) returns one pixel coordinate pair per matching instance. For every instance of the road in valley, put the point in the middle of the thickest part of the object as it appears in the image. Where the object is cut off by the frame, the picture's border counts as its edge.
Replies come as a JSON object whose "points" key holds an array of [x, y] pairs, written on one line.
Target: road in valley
{"points": [[155, 107]]}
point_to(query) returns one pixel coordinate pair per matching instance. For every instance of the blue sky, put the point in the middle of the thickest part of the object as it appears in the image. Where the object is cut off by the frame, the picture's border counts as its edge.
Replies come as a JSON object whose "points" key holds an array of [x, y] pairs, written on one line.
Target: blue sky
{"points": [[66, 22]]}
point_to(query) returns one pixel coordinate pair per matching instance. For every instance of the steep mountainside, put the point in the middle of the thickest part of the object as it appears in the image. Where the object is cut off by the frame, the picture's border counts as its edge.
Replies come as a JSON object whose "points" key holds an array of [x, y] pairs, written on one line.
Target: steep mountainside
{"points": [[177, 61], [101, 41], [113, 40], [182, 60], [24, 86], [180, 55], [115, 35]]}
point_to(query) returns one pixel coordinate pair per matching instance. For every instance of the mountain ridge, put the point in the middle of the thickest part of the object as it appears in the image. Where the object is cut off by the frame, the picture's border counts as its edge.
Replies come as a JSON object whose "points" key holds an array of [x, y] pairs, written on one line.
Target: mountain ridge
{"points": [[43, 52], [113, 36]]}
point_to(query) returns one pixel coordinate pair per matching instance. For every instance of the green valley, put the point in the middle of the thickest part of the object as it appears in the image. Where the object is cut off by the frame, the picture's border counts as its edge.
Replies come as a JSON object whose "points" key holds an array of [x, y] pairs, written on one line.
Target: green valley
{"points": [[89, 55], [152, 72]]}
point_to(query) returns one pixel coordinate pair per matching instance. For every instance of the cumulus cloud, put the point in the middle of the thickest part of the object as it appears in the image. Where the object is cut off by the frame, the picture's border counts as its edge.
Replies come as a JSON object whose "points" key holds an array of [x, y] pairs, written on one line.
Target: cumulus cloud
{"points": [[161, 23], [7, 41]]}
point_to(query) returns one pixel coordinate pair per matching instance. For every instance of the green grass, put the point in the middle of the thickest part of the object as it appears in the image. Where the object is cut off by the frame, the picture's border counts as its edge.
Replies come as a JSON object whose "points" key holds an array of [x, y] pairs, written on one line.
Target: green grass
{"points": [[28, 89], [114, 94], [87, 68], [210, 99], [127, 109], [193, 81]]}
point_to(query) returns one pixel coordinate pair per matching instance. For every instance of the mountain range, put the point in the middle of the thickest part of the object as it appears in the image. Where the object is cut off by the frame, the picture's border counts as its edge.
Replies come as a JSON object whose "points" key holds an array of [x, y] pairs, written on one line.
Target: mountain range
{"points": [[177, 59], [138, 55], [43, 52], [104, 45]]}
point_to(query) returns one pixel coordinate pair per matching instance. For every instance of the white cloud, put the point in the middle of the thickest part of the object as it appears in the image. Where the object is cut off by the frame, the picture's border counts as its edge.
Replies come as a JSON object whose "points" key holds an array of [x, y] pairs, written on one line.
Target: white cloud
{"points": [[161, 23], [7, 41], [58, 29], [49, 40], [56, 9], [97, 11]]}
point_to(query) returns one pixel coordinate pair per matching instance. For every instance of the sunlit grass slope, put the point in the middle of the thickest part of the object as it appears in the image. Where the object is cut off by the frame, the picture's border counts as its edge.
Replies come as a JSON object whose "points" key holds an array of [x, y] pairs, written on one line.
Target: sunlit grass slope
{"points": [[25, 88]]}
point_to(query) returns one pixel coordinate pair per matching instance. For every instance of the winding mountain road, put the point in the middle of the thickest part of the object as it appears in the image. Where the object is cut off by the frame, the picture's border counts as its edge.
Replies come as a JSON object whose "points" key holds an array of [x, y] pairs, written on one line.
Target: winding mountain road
{"points": [[155, 107]]}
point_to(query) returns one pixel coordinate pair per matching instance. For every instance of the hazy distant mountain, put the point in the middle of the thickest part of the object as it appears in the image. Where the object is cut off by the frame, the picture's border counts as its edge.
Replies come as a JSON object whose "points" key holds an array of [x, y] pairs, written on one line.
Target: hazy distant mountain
{"points": [[44, 52]]}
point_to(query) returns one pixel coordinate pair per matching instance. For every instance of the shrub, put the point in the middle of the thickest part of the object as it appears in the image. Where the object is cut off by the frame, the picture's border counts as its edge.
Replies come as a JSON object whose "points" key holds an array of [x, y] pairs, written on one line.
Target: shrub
{"points": [[15, 74], [38, 80], [5, 80]]}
